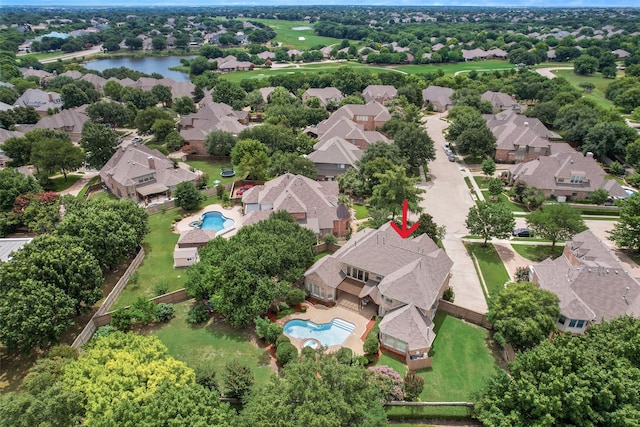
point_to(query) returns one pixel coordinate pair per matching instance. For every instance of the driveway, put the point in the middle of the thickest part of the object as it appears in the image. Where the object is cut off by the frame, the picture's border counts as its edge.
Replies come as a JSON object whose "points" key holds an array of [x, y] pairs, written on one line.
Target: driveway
{"points": [[448, 200], [548, 72]]}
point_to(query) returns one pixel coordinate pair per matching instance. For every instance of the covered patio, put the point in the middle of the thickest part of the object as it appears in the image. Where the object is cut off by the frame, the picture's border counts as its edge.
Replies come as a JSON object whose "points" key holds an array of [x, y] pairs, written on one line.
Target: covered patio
{"points": [[358, 296]]}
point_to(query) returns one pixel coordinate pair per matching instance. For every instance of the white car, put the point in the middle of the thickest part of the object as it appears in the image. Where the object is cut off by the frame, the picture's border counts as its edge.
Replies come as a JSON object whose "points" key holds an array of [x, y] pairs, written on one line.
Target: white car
{"points": [[136, 139]]}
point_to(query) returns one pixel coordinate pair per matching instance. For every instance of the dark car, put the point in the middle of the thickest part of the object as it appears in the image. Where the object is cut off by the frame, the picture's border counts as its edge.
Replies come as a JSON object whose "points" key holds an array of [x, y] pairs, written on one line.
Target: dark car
{"points": [[522, 232]]}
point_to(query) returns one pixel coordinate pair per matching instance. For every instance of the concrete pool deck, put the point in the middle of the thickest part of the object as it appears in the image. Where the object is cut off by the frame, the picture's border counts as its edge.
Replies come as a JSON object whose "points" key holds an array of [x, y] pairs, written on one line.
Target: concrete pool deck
{"points": [[320, 314], [235, 213]]}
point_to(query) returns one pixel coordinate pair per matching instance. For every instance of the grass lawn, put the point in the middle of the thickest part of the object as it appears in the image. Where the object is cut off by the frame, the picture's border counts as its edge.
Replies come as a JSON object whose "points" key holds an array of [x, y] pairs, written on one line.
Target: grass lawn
{"points": [[462, 363], [617, 178], [91, 182], [158, 263], [320, 256], [450, 69], [362, 212], [491, 266], [598, 94], [103, 195], [60, 184], [289, 37], [503, 198], [212, 345], [213, 169], [538, 253], [482, 181], [314, 67]]}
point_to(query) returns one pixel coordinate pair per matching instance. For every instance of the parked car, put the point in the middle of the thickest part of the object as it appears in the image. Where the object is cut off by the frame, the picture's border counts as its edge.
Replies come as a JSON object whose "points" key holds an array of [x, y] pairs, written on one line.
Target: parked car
{"points": [[136, 139], [452, 158], [522, 232]]}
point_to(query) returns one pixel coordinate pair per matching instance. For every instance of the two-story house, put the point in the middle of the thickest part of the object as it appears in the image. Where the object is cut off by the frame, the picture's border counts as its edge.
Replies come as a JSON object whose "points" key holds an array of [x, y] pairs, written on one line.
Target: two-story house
{"points": [[333, 157]]}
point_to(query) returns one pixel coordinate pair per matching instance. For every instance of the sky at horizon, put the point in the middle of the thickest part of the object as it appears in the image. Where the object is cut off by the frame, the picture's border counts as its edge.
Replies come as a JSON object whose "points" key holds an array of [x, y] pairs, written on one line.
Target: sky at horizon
{"points": [[246, 3]]}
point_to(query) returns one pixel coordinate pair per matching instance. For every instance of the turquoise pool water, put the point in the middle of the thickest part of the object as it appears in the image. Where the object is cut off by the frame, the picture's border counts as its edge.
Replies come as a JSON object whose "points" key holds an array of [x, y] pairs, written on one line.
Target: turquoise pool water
{"points": [[328, 334], [214, 220]]}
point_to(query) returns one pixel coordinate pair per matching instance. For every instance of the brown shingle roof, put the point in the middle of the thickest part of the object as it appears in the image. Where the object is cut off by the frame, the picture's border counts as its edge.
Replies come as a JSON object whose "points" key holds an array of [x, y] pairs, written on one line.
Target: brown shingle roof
{"points": [[407, 324]]}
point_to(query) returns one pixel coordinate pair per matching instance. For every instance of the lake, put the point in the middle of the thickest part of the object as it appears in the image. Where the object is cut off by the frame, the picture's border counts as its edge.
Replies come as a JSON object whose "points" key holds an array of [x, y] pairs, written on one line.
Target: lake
{"points": [[148, 64]]}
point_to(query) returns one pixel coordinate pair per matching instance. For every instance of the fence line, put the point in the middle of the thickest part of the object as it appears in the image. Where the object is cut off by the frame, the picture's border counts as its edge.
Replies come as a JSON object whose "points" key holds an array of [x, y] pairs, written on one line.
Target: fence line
{"points": [[403, 403], [91, 327]]}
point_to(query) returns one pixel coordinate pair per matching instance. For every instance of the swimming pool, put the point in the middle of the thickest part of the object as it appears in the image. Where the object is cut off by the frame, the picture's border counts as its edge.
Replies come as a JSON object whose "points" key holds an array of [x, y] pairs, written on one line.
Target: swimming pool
{"points": [[214, 220], [328, 334]]}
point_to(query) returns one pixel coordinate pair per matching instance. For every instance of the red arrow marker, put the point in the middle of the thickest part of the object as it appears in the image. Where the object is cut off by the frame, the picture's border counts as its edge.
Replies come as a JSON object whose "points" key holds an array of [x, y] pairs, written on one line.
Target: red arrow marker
{"points": [[404, 233]]}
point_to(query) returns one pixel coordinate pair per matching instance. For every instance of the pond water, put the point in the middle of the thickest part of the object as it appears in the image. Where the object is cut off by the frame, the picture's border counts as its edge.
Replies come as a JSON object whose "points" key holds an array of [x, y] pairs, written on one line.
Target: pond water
{"points": [[150, 64]]}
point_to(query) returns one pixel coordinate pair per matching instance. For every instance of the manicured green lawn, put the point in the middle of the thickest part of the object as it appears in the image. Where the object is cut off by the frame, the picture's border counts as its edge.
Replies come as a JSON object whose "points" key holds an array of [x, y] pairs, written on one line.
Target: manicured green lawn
{"points": [[103, 195], [158, 263], [450, 69], [482, 181], [462, 363], [212, 345], [503, 198], [362, 212], [491, 266], [60, 183], [91, 182], [289, 37], [320, 256], [213, 169], [314, 67], [538, 253], [598, 93]]}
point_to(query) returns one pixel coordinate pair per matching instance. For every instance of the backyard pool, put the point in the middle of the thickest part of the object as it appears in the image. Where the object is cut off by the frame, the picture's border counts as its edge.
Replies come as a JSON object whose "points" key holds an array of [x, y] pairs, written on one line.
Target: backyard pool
{"points": [[214, 220], [327, 334]]}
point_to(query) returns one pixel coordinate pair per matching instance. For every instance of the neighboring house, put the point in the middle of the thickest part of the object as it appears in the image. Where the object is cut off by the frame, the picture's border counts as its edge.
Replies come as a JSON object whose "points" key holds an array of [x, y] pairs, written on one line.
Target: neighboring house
{"points": [[521, 138], [137, 172], [379, 93], [333, 157], [41, 74], [439, 97], [472, 54], [403, 278], [344, 128], [621, 53], [325, 95], [6, 134], [10, 245], [502, 101], [266, 55], [371, 115], [195, 127], [591, 283], [566, 176], [40, 100], [312, 204], [97, 81], [233, 64], [70, 121]]}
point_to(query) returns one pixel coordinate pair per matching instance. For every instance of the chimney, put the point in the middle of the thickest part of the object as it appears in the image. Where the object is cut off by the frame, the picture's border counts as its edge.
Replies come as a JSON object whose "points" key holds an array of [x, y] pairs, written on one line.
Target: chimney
{"points": [[152, 163], [50, 97]]}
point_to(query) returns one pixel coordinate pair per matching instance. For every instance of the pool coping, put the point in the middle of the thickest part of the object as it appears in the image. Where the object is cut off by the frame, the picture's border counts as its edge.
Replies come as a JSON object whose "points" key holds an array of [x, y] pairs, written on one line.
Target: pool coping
{"points": [[235, 214]]}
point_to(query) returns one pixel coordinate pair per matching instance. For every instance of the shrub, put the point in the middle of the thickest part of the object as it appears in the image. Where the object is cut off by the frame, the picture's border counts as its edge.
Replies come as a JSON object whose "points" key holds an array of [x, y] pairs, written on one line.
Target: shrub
{"points": [[389, 383], [371, 343], [308, 353], [281, 339], [361, 360], [238, 380], [267, 330], [413, 386], [330, 239], [133, 279], [295, 296], [522, 274], [63, 351], [198, 314], [164, 312], [219, 191], [615, 168], [143, 311], [161, 288], [499, 338], [633, 179], [104, 331], [206, 377], [344, 355], [121, 319], [286, 352], [449, 294]]}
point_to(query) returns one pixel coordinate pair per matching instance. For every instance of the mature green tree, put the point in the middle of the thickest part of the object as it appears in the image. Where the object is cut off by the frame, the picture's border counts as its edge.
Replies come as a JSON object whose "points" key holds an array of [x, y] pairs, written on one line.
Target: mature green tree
{"points": [[163, 94], [188, 197], [112, 113], [147, 117], [415, 144], [427, 226], [524, 314], [488, 167], [140, 98], [220, 143], [238, 380], [32, 314], [161, 128], [58, 261], [599, 196], [318, 391], [228, 92], [586, 380], [555, 222], [124, 367], [394, 188], [576, 120], [250, 156], [56, 154], [19, 149], [478, 142], [281, 163], [532, 198], [495, 186], [381, 149], [108, 229], [14, 184], [281, 251], [99, 143], [585, 64], [463, 118], [184, 105], [609, 139], [159, 42], [73, 96], [489, 220], [113, 90], [633, 154], [626, 232], [587, 86]]}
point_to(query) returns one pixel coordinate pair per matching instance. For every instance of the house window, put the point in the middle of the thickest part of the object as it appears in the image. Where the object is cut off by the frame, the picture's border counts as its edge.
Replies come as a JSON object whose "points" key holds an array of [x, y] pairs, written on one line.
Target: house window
{"points": [[580, 324], [348, 270], [342, 166], [562, 320], [577, 179], [362, 118], [572, 323]]}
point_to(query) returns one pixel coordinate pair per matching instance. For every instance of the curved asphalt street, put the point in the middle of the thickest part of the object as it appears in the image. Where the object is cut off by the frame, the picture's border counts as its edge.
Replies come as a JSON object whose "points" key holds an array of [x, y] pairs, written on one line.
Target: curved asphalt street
{"points": [[448, 200]]}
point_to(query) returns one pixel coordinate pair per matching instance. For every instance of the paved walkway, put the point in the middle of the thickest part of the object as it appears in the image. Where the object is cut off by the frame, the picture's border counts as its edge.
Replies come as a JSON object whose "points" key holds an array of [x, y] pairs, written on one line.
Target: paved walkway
{"points": [[77, 186]]}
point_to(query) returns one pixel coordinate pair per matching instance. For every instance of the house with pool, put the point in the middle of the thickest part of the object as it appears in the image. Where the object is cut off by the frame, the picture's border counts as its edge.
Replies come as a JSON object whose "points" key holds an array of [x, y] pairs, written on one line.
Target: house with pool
{"points": [[402, 278]]}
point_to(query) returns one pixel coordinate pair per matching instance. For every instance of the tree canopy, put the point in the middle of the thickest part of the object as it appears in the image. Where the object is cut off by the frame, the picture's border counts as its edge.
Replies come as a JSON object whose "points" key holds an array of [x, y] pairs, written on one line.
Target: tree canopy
{"points": [[99, 143], [556, 222], [626, 232], [489, 219]]}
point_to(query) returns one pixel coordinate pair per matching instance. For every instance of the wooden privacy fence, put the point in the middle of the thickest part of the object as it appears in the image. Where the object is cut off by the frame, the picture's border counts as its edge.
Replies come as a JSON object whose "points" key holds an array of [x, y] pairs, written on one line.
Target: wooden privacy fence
{"points": [[464, 314], [91, 327]]}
